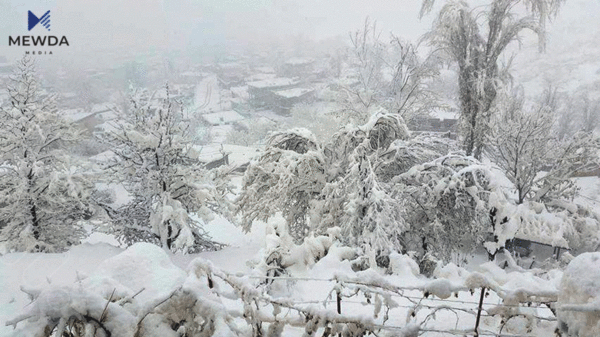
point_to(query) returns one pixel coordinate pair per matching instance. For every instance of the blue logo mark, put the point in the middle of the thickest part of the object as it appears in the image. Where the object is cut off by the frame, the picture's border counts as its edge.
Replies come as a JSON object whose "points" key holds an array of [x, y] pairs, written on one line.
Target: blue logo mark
{"points": [[43, 20]]}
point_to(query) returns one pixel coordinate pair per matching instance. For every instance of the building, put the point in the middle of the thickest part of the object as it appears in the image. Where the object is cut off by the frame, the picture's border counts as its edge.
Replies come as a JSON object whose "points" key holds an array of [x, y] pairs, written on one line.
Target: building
{"points": [[437, 121], [231, 74], [298, 66], [285, 99], [261, 92]]}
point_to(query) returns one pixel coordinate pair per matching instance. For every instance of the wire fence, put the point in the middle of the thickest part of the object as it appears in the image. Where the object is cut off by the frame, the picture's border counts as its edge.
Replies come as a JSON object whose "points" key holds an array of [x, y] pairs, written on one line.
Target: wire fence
{"points": [[374, 307]]}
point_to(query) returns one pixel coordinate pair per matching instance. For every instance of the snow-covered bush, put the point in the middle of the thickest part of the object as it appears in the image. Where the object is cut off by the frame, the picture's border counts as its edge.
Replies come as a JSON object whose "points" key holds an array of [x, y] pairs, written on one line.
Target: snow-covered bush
{"points": [[286, 177], [579, 297], [136, 293], [42, 194], [156, 162], [385, 190], [447, 205]]}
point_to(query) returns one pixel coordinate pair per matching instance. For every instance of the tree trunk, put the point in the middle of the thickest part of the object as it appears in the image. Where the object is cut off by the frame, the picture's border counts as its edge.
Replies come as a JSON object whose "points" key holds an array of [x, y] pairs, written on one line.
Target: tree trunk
{"points": [[34, 218]]}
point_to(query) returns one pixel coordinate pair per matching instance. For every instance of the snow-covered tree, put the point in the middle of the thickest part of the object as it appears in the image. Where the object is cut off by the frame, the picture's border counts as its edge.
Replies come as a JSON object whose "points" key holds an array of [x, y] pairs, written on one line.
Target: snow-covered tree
{"points": [[389, 75], [577, 153], [385, 190], [475, 38], [361, 205], [172, 194], [287, 176], [525, 142], [529, 148], [521, 140], [579, 113], [42, 196]]}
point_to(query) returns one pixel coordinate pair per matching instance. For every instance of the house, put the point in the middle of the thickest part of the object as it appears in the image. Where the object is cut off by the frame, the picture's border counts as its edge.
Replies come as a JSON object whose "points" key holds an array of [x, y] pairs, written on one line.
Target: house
{"points": [[191, 77], [298, 66], [68, 100], [438, 120], [90, 119], [231, 74], [285, 99], [261, 92]]}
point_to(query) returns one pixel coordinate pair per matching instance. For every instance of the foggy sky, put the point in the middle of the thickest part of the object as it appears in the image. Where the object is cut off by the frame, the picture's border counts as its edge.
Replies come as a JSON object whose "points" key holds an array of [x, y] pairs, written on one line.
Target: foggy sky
{"points": [[95, 26]]}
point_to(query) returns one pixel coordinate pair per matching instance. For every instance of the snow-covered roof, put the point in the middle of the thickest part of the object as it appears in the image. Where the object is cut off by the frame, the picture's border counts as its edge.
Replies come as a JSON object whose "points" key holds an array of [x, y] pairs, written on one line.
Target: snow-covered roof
{"points": [[103, 156], [75, 115], [237, 154], [222, 117], [299, 61], [68, 95], [442, 114], [545, 228], [260, 77], [271, 115], [273, 83], [231, 65], [102, 107], [294, 92], [266, 70], [241, 92], [218, 133], [191, 74]]}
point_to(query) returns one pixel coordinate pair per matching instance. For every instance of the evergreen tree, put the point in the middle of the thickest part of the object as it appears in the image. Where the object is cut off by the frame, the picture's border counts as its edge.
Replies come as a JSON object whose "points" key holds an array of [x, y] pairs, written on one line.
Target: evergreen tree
{"points": [[42, 196]]}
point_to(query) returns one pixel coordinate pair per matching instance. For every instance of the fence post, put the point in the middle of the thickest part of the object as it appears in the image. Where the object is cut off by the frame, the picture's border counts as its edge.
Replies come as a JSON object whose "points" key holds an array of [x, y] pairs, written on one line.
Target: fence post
{"points": [[479, 311], [210, 281], [339, 302]]}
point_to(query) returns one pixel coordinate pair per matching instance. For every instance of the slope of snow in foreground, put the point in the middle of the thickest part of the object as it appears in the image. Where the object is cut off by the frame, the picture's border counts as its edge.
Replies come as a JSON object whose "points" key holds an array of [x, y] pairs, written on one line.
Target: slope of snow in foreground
{"points": [[141, 277]]}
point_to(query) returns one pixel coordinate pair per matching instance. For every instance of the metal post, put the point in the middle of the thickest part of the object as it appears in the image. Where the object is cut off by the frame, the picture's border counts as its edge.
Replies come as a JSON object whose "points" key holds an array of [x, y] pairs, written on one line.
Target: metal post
{"points": [[479, 311], [339, 302]]}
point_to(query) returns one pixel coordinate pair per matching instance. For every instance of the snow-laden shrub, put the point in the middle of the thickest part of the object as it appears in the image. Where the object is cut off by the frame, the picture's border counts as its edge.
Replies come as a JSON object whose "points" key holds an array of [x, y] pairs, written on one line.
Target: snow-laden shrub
{"points": [[136, 293], [385, 190], [447, 204], [286, 177], [579, 297], [281, 255]]}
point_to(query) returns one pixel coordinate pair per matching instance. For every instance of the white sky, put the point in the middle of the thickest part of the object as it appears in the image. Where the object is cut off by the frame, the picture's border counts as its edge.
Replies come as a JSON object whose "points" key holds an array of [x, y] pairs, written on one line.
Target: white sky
{"points": [[98, 25], [103, 24]]}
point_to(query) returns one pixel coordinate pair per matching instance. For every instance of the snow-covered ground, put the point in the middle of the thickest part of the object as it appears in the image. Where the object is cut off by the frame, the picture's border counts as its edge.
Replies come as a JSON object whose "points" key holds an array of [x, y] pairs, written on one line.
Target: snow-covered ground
{"points": [[401, 287], [44, 270], [32, 271]]}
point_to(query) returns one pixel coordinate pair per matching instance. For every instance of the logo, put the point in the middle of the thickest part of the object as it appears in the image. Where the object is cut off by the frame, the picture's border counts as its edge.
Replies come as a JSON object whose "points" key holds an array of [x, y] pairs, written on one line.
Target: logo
{"points": [[43, 20], [40, 41]]}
